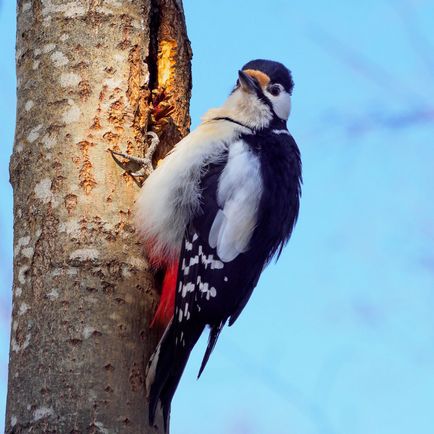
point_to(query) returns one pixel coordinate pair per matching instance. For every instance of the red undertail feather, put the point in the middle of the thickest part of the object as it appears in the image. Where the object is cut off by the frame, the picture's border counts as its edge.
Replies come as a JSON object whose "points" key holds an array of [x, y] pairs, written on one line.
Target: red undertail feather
{"points": [[166, 307]]}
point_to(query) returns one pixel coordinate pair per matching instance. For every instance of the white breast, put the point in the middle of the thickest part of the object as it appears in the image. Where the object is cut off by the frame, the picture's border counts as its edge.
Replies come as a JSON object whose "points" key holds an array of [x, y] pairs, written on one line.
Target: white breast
{"points": [[171, 196]]}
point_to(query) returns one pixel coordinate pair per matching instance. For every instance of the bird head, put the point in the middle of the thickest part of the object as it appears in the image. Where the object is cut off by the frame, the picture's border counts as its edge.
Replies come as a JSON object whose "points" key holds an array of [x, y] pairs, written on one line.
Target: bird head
{"points": [[262, 94]]}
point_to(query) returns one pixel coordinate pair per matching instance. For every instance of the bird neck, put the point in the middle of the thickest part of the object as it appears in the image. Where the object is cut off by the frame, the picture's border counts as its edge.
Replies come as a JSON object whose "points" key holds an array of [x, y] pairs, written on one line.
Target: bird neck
{"points": [[244, 109]]}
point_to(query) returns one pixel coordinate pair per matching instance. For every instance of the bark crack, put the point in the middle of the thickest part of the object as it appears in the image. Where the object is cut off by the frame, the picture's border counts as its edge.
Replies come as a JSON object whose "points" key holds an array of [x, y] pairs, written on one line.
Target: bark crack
{"points": [[168, 61]]}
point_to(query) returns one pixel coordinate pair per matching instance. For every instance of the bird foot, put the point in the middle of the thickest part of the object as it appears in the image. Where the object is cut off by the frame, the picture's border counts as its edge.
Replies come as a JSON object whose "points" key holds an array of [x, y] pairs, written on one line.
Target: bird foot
{"points": [[138, 166]]}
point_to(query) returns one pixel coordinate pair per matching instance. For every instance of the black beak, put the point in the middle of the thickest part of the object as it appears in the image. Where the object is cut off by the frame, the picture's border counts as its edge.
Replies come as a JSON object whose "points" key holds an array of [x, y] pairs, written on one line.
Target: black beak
{"points": [[247, 83]]}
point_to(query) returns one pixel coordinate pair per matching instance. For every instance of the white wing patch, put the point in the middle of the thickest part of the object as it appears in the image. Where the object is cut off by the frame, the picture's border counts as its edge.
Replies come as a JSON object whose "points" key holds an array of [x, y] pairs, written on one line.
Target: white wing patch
{"points": [[216, 228], [239, 192], [171, 194]]}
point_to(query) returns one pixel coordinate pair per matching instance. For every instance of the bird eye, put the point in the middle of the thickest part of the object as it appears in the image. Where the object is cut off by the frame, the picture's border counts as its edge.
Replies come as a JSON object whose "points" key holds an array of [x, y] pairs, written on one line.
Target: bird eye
{"points": [[274, 90]]}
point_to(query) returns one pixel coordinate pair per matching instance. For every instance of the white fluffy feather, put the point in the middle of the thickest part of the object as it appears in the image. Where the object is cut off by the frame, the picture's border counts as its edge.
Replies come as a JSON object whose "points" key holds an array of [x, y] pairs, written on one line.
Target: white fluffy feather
{"points": [[171, 196]]}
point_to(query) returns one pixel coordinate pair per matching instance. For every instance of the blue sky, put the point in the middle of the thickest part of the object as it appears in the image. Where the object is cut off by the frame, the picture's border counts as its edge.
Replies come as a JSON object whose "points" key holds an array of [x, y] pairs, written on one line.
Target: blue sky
{"points": [[338, 337]]}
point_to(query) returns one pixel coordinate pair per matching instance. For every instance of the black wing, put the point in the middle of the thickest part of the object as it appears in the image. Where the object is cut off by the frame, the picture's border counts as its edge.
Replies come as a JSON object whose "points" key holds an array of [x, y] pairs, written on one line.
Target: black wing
{"points": [[209, 290]]}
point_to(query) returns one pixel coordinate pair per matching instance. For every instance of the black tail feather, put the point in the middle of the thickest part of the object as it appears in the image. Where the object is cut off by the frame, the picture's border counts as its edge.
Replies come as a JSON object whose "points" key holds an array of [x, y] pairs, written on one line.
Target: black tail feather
{"points": [[166, 412], [213, 337], [167, 393], [166, 368], [159, 368]]}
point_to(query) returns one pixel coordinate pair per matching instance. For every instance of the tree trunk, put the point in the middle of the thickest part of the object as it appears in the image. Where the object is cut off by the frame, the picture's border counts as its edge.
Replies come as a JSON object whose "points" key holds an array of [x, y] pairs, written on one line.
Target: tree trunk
{"points": [[92, 75]]}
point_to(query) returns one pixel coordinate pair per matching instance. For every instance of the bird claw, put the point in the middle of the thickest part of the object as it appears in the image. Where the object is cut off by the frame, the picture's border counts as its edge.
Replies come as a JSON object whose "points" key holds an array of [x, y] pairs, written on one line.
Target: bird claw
{"points": [[138, 160], [153, 145], [138, 166]]}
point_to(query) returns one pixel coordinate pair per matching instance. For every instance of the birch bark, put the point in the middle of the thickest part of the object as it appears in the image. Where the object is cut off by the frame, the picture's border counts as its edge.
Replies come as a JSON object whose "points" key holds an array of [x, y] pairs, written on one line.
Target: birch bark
{"points": [[92, 75]]}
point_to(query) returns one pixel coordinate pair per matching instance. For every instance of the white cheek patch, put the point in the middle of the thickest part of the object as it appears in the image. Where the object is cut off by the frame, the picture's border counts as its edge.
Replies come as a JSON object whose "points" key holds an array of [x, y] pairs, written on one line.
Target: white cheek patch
{"points": [[281, 104]]}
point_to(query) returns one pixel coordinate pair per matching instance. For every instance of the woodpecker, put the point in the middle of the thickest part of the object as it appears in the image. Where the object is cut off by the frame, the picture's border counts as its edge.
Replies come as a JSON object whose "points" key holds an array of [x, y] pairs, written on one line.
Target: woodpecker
{"points": [[214, 213]]}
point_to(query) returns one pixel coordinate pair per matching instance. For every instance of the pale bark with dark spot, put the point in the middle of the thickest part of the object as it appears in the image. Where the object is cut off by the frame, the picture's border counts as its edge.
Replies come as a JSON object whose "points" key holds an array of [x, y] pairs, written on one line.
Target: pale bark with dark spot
{"points": [[92, 75]]}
